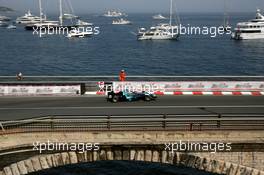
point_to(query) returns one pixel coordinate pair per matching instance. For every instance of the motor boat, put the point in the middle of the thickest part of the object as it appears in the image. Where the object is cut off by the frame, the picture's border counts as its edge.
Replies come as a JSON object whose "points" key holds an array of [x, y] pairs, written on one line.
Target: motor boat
{"points": [[3, 24], [4, 18], [159, 16], [163, 31], [121, 22], [11, 26], [253, 29], [70, 16], [28, 18], [79, 34], [83, 23], [114, 13]]}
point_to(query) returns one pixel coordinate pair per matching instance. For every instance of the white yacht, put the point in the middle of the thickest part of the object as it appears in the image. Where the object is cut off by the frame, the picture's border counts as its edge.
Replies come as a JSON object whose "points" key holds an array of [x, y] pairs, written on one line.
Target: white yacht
{"points": [[254, 29], [114, 13], [4, 18], [11, 26], [70, 16], [83, 23], [79, 34], [164, 31], [3, 24], [121, 22], [28, 18], [159, 16]]}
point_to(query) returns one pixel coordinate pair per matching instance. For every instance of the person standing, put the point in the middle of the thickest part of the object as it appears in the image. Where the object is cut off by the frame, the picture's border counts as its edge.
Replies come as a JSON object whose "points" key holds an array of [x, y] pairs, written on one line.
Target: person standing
{"points": [[122, 75]]}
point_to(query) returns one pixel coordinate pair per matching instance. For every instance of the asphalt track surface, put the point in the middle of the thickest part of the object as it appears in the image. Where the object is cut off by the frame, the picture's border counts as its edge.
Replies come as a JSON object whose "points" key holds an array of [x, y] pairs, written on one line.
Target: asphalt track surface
{"points": [[12, 108]]}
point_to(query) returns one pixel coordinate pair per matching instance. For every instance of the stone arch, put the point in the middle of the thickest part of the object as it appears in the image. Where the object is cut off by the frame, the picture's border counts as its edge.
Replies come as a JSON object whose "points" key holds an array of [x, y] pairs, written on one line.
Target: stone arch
{"points": [[42, 162]]}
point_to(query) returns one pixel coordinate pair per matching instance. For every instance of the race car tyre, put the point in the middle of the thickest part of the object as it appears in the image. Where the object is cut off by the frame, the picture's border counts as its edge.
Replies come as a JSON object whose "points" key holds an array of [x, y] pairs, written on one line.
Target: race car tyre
{"points": [[115, 99], [147, 98]]}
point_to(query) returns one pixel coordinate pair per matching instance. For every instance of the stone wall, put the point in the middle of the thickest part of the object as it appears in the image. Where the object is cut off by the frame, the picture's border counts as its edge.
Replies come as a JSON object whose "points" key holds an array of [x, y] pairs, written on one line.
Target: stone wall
{"points": [[43, 162]]}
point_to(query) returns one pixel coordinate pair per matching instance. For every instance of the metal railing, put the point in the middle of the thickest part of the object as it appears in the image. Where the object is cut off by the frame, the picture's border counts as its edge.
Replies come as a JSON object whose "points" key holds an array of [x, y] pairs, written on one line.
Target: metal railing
{"points": [[136, 123]]}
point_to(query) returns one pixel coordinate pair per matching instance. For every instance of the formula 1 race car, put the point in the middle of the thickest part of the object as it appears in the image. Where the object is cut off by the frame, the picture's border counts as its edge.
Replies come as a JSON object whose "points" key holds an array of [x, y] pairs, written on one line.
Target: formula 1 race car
{"points": [[130, 96]]}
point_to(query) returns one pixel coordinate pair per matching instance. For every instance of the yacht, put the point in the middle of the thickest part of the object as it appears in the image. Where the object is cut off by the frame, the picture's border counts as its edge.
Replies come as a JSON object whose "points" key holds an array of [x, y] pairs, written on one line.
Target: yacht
{"points": [[114, 13], [164, 31], [45, 24], [83, 23], [79, 34], [159, 16], [70, 16], [11, 26], [28, 18], [3, 24], [4, 18], [121, 22], [253, 29]]}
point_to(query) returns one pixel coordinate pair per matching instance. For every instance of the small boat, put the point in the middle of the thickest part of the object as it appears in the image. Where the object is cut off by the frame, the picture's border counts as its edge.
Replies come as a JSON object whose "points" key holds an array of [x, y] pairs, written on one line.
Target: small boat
{"points": [[11, 26], [159, 16], [3, 24], [121, 22], [164, 31], [70, 16], [4, 18], [114, 13], [83, 23], [79, 34]]}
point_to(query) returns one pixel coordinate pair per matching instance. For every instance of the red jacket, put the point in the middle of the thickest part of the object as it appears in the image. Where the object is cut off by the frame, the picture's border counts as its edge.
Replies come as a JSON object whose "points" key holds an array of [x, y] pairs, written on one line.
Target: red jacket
{"points": [[122, 76]]}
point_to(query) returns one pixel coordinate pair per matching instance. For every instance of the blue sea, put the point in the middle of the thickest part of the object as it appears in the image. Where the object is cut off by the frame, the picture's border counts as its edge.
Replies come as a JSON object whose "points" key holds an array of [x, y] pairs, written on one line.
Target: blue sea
{"points": [[116, 48]]}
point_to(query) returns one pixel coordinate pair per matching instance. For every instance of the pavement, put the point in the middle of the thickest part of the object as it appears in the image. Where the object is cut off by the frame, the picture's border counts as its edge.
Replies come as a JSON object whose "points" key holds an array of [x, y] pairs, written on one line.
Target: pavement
{"points": [[13, 108]]}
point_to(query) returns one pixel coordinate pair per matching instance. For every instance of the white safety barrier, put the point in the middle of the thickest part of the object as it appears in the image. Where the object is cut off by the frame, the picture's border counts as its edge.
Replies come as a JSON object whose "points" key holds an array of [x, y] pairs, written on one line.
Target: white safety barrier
{"points": [[185, 87], [35, 90]]}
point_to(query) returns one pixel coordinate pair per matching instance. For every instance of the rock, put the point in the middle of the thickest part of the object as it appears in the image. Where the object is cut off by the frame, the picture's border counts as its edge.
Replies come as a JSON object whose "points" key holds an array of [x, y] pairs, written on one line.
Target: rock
{"points": [[65, 158], [139, 155], [126, 155], [255, 172], [148, 156], [242, 170], [117, 155], [132, 154], [22, 167], [95, 156], [73, 157], [89, 156], [81, 156], [164, 156], [43, 162], [29, 166], [57, 160], [109, 155], [102, 155], [233, 169], [14, 169], [49, 161], [8, 171], [36, 163], [155, 156]]}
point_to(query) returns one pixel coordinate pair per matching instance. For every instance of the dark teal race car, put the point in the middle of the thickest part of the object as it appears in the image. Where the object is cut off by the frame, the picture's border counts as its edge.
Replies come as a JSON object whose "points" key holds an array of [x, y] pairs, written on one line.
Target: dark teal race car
{"points": [[130, 96]]}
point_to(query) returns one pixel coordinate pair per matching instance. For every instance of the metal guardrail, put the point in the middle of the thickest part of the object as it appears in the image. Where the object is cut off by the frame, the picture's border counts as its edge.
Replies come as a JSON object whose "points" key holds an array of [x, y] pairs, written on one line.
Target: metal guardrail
{"points": [[82, 79], [136, 123]]}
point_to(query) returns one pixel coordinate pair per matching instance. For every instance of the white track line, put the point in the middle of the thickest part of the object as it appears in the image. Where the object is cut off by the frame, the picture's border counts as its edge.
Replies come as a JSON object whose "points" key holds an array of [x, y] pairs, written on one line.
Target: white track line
{"points": [[134, 107]]}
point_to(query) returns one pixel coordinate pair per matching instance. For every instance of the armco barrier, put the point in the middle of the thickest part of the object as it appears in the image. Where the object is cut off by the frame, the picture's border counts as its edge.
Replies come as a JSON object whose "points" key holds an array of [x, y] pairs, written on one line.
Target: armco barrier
{"points": [[39, 89], [236, 88]]}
